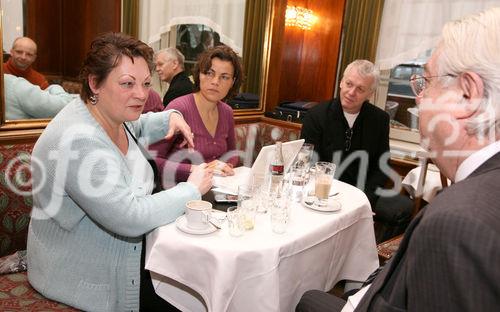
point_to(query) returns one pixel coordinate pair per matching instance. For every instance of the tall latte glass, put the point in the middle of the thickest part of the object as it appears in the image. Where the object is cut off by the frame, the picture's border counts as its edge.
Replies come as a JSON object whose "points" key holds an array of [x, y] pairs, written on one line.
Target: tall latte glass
{"points": [[323, 181]]}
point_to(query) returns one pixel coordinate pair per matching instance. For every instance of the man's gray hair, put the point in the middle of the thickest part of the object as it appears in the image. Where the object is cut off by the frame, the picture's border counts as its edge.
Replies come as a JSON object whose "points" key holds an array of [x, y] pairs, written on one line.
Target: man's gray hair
{"points": [[173, 54], [473, 44], [365, 68]]}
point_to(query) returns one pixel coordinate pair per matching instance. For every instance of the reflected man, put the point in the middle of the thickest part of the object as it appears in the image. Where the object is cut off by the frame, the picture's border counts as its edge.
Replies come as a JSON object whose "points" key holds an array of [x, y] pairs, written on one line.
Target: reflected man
{"points": [[170, 68], [22, 56]]}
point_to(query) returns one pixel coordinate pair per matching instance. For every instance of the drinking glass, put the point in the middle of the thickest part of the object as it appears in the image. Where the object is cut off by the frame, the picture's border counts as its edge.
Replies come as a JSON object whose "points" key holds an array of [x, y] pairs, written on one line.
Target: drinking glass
{"points": [[304, 156], [248, 203], [324, 172], [298, 178], [235, 221], [280, 213]]}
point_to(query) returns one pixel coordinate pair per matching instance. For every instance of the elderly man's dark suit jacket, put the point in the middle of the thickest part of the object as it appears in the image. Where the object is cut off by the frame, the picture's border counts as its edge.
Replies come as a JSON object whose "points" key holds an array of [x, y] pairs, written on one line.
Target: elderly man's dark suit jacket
{"points": [[179, 86], [449, 259], [325, 126]]}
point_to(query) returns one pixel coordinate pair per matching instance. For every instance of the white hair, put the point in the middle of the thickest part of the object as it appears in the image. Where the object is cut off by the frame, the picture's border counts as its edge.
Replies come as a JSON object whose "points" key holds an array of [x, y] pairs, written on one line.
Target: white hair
{"points": [[473, 44], [173, 54], [365, 68]]}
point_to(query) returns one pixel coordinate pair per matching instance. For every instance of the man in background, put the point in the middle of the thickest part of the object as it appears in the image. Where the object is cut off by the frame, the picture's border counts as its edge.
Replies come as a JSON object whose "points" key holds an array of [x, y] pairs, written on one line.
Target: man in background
{"points": [[22, 56], [170, 68], [448, 259], [348, 130]]}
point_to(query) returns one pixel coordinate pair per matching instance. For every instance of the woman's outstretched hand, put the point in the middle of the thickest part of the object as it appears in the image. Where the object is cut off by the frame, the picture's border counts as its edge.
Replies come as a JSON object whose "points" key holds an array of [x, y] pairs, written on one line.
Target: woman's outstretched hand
{"points": [[177, 125]]}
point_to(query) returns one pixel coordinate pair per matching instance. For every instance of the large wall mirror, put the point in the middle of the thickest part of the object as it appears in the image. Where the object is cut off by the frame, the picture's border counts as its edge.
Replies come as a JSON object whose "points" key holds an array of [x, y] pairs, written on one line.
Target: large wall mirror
{"points": [[72, 26]]}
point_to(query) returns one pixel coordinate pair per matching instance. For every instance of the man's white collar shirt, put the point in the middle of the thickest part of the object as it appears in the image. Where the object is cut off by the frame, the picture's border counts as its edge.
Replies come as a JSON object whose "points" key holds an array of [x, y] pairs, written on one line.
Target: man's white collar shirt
{"points": [[475, 160]]}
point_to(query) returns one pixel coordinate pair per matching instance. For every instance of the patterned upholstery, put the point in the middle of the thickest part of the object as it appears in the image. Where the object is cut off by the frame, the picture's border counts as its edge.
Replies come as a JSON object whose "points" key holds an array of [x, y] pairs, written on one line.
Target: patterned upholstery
{"points": [[15, 196], [16, 294]]}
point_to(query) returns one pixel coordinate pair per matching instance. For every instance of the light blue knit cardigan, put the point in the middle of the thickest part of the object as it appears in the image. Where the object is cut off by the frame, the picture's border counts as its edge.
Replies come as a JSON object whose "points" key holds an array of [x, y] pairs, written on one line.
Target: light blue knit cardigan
{"points": [[84, 240]]}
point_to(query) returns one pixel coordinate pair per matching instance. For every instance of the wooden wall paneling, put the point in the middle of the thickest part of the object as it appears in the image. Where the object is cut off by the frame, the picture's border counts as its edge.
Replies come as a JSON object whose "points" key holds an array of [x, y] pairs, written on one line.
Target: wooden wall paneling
{"points": [[43, 25], [311, 56], [292, 58], [321, 50], [271, 97], [93, 17], [74, 21], [64, 29]]}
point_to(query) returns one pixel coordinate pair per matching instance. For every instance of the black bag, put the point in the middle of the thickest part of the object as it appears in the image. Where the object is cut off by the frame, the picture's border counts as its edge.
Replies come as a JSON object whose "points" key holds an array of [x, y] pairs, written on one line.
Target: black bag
{"points": [[244, 101], [300, 106], [291, 111]]}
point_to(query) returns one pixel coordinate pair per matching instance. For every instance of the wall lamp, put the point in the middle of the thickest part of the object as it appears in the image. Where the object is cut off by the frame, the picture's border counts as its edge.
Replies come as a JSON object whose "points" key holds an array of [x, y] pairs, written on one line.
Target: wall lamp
{"points": [[299, 17]]}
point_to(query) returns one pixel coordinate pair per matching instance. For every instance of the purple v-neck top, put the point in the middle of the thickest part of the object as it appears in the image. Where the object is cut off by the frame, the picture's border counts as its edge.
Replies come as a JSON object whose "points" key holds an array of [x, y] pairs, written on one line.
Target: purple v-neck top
{"points": [[172, 159]]}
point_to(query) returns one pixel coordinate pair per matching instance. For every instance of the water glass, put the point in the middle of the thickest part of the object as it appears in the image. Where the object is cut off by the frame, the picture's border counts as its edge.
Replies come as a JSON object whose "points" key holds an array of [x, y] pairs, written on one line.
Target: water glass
{"points": [[248, 203], [324, 172], [305, 155], [264, 197], [235, 221], [280, 215], [297, 181]]}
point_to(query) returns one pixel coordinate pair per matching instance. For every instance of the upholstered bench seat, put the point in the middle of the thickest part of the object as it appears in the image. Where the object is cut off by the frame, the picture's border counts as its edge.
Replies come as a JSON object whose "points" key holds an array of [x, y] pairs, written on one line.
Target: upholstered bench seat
{"points": [[16, 294]]}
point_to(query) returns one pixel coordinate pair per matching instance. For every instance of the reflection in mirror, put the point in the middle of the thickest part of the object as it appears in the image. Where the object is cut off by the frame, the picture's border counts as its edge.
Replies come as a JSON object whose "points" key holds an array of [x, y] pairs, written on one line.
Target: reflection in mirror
{"points": [[27, 93], [24, 100], [194, 39], [61, 32], [400, 101]]}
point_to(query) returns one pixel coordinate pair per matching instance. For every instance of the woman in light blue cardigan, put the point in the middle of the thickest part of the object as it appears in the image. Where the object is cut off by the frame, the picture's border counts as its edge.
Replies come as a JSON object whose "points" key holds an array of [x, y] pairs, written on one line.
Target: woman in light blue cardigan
{"points": [[92, 185]]}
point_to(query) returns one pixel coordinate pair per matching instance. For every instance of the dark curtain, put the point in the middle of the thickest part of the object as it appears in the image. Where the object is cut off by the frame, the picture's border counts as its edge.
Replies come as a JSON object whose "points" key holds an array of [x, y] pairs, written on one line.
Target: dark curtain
{"points": [[131, 17], [253, 43], [361, 28]]}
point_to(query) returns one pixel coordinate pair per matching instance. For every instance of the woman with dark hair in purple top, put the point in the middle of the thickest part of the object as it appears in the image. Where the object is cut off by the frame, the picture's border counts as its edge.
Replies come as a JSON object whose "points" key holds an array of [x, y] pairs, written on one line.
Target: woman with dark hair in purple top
{"points": [[218, 75]]}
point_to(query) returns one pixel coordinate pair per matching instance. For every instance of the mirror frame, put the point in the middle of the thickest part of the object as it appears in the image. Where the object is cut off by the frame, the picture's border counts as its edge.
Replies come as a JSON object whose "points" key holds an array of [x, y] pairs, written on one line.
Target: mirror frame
{"points": [[24, 130]]}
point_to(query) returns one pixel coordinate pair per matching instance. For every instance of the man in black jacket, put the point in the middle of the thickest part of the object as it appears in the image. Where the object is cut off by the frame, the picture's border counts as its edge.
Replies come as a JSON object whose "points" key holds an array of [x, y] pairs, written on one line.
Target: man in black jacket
{"points": [[354, 134]]}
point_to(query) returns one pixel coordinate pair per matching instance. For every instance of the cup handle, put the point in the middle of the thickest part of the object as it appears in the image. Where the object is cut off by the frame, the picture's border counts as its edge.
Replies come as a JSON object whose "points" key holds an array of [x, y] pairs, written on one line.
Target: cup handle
{"points": [[207, 215], [211, 220]]}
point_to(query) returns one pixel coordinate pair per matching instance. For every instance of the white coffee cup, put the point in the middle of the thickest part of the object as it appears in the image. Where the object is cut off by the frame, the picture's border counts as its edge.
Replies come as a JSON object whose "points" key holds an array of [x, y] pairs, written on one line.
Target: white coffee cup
{"points": [[197, 214]]}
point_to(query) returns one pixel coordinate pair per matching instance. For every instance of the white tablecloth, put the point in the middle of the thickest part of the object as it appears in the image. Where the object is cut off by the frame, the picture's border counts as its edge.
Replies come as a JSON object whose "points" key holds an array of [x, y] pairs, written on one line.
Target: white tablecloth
{"points": [[432, 184], [261, 270]]}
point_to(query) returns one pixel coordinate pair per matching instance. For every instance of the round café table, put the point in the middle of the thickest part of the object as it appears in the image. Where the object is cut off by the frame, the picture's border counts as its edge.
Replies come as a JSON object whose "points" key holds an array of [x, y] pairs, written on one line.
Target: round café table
{"points": [[261, 270]]}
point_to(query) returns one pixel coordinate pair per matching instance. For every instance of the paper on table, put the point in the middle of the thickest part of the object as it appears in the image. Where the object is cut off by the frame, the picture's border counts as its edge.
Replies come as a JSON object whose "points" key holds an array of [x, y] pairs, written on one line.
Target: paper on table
{"points": [[229, 184]]}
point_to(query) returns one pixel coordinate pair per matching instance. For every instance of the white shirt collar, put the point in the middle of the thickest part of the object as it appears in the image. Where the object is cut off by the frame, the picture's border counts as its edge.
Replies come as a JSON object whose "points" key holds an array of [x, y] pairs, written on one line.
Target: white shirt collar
{"points": [[475, 160]]}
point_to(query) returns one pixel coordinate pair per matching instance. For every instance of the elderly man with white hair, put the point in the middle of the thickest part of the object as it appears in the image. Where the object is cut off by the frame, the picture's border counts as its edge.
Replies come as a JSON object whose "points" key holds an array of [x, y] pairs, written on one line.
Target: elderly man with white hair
{"points": [[450, 255], [170, 69]]}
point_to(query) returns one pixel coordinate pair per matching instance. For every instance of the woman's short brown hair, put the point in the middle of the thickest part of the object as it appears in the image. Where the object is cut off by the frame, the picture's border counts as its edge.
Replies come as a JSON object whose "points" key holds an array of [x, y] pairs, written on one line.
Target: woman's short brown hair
{"points": [[105, 53], [223, 53]]}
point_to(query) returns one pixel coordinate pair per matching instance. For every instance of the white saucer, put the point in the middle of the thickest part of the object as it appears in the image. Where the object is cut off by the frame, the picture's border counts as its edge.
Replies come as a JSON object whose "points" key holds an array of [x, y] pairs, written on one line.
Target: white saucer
{"points": [[181, 224], [333, 205]]}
